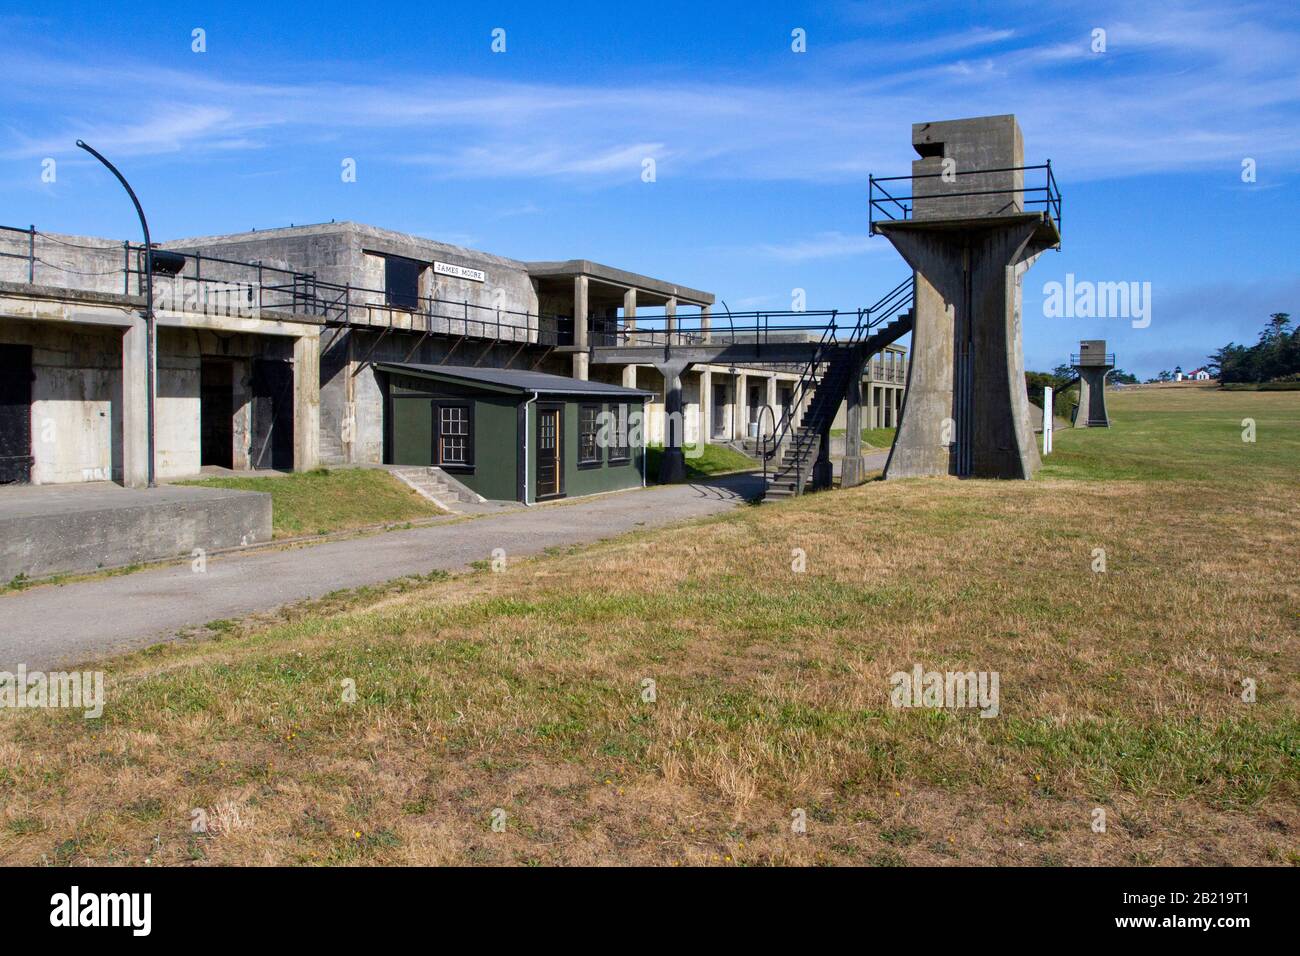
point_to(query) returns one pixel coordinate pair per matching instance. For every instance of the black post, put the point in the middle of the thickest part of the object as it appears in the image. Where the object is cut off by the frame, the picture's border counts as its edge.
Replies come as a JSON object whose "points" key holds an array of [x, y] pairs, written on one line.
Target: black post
{"points": [[150, 333]]}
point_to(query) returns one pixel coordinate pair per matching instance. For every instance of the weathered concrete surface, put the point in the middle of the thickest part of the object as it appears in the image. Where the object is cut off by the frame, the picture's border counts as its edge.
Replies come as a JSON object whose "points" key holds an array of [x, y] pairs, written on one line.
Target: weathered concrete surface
{"points": [[53, 529], [1092, 397], [48, 625], [966, 410]]}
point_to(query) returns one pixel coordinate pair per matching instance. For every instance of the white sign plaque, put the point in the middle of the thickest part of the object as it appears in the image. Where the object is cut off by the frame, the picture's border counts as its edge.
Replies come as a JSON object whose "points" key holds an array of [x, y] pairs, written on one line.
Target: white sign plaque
{"points": [[459, 272]]}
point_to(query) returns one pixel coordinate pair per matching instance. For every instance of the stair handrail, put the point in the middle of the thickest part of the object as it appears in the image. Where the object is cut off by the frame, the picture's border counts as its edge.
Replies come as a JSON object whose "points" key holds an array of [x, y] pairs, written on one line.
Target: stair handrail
{"points": [[888, 304], [762, 448]]}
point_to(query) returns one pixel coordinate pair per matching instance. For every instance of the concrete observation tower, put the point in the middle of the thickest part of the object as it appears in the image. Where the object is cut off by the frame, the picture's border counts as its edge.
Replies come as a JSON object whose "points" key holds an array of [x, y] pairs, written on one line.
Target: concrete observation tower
{"points": [[1092, 363], [970, 225]]}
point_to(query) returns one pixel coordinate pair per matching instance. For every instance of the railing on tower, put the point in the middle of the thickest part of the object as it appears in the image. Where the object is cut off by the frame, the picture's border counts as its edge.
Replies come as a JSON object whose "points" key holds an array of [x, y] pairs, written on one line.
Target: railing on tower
{"points": [[1040, 194]]}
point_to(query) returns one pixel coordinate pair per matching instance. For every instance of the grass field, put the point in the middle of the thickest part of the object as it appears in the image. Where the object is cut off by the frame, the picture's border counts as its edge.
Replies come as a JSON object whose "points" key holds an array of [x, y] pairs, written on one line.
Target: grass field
{"points": [[711, 460], [525, 692], [875, 437], [321, 501]]}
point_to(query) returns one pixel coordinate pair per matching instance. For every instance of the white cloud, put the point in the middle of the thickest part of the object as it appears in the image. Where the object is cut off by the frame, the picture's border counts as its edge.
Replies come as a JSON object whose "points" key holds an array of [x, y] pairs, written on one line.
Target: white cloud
{"points": [[824, 245], [1181, 89]]}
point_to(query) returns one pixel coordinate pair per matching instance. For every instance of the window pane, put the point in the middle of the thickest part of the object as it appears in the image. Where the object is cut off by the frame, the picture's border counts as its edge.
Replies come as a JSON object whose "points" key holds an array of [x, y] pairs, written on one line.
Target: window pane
{"points": [[588, 449]]}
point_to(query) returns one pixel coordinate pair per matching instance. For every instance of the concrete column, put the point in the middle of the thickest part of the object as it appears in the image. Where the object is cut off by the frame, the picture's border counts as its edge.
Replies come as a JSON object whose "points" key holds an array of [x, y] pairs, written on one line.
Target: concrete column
{"points": [[706, 321], [771, 400], [673, 464], [1092, 397], [968, 409], [242, 424], [306, 402], [629, 311], [135, 413], [580, 357], [629, 376], [670, 317], [706, 405], [853, 468], [740, 408]]}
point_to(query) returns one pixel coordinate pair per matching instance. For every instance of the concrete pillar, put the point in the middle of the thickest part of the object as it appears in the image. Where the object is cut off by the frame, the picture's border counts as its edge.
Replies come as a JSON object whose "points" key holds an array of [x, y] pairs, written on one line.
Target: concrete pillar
{"points": [[672, 466], [771, 400], [706, 323], [706, 405], [135, 401], [306, 402], [1092, 397], [580, 310], [853, 468], [629, 312], [629, 376], [740, 408], [670, 318], [968, 409], [242, 424]]}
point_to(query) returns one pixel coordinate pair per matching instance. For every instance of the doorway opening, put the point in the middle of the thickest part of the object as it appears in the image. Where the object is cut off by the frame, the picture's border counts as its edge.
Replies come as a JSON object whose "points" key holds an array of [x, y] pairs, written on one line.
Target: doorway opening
{"points": [[15, 414], [216, 413]]}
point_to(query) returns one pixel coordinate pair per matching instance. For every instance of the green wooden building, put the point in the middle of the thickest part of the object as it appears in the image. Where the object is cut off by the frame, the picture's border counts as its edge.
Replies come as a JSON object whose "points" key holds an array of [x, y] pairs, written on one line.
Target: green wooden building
{"points": [[512, 434]]}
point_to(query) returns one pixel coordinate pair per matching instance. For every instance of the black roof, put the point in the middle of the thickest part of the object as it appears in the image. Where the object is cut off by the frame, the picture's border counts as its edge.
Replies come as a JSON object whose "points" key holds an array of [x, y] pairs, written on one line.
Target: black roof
{"points": [[514, 380]]}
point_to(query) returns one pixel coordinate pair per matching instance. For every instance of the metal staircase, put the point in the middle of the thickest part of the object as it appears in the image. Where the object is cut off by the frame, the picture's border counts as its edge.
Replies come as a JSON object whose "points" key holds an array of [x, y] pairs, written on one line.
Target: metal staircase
{"points": [[795, 449]]}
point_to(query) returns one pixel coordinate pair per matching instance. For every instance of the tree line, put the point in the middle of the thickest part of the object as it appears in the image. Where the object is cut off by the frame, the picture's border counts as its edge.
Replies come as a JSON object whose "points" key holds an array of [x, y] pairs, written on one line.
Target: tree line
{"points": [[1274, 358]]}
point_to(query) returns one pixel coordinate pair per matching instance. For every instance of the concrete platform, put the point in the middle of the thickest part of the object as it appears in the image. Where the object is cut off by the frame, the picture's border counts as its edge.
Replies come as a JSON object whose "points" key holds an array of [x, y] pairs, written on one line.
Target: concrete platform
{"points": [[57, 529]]}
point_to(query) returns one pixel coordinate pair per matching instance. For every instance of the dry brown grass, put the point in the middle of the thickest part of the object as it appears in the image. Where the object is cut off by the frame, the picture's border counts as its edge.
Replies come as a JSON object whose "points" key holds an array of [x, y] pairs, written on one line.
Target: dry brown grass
{"points": [[523, 691]]}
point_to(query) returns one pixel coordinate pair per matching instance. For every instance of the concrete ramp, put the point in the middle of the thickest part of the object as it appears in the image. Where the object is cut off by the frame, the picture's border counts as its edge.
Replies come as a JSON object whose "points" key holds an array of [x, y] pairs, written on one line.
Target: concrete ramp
{"points": [[58, 529]]}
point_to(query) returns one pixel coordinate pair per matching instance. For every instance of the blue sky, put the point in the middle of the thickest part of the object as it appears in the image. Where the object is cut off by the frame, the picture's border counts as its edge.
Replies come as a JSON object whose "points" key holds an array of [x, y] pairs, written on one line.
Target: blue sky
{"points": [[762, 154]]}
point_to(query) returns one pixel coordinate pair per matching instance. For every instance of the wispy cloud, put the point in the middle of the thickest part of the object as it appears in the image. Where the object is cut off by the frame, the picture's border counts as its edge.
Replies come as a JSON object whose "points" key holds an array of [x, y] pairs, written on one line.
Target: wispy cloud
{"points": [[1177, 89], [824, 245]]}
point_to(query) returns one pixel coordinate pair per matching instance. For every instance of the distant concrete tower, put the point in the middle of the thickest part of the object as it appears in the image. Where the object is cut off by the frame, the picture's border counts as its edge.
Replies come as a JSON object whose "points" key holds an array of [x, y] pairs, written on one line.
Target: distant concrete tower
{"points": [[970, 228], [1092, 363]]}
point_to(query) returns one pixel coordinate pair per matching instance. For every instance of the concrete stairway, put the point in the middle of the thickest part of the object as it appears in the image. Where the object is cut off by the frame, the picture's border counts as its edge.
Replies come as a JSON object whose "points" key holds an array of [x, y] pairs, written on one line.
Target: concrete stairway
{"points": [[331, 449], [436, 485], [791, 469]]}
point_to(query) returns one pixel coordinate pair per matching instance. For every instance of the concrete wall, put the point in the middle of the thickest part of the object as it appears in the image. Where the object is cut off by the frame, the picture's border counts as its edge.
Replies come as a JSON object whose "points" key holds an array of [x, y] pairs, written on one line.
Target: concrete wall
{"points": [[66, 261], [348, 253], [76, 400], [984, 142], [40, 537]]}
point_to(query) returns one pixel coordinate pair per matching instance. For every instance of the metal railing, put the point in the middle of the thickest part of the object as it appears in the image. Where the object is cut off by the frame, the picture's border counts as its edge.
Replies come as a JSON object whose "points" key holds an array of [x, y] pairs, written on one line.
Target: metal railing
{"points": [[663, 329], [1092, 359], [1044, 198], [890, 304], [213, 284]]}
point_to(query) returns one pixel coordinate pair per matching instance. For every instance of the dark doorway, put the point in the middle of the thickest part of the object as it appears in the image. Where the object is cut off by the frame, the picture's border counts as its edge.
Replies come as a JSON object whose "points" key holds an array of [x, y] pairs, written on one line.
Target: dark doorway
{"points": [[719, 411], [15, 414], [216, 413], [548, 452], [272, 414]]}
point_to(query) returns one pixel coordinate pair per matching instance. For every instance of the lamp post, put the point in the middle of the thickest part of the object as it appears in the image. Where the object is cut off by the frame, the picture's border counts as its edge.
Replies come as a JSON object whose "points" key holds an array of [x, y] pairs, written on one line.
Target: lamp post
{"points": [[150, 332]]}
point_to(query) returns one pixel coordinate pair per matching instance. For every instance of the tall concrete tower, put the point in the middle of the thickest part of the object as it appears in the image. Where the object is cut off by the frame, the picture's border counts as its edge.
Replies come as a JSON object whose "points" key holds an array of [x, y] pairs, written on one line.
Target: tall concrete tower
{"points": [[1092, 363], [970, 227]]}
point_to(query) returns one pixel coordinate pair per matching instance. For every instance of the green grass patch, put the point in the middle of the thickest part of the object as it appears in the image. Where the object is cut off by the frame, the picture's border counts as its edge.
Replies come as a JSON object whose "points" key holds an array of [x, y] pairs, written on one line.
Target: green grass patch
{"points": [[701, 461], [321, 501], [1189, 434]]}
